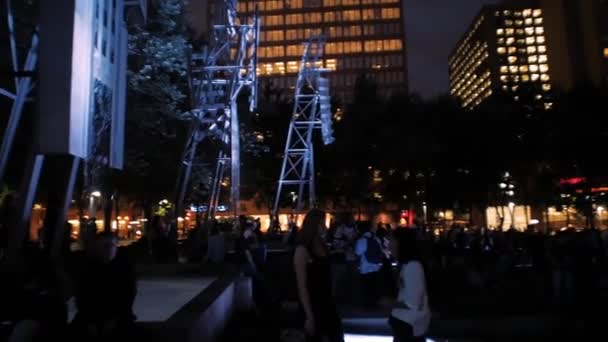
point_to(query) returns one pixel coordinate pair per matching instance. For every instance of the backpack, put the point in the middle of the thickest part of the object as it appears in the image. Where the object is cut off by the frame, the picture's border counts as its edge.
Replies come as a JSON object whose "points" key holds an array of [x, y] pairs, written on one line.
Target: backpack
{"points": [[373, 253]]}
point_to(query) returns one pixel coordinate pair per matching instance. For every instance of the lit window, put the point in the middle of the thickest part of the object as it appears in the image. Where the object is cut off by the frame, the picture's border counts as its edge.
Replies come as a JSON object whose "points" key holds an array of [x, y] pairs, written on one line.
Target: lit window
{"points": [[530, 40], [514, 88], [540, 30], [545, 78], [501, 50], [505, 87], [525, 78], [531, 49], [523, 69], [501, 41], [527, 12], [548, 106], [542, 59], [529, 21], [544, 68], [292, 66], [519, 32], [537, 13], [606, 52], [529, 31], [546, 87], [331, 64], [542, 49], [515, 78], [538, 96], [510, 41], [512, 59], [540, 39], [500, 32], [517, 14], [509, 22], [504, 69], [532, 59], [512, 50], [506, 13], [521, 42], [535, 77], [513, 69], [533, 68], [519, 22], [510, 31], [538, 21]]}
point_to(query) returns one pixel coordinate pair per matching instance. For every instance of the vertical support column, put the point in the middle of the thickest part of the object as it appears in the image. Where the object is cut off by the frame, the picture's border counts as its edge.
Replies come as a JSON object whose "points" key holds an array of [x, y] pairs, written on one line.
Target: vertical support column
{"points": [[21, 224], [73, 165], [235, 148]]}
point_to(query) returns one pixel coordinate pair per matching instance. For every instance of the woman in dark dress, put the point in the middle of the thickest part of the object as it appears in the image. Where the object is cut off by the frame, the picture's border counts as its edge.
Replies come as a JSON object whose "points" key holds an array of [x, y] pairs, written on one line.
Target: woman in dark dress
{"points": [[313, 277]]}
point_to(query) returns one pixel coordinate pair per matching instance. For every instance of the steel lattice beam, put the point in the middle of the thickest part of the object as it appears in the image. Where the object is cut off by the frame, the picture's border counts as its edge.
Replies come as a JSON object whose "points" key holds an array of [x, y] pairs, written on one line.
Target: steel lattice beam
{"points": [[311, 111], [217, 78]]}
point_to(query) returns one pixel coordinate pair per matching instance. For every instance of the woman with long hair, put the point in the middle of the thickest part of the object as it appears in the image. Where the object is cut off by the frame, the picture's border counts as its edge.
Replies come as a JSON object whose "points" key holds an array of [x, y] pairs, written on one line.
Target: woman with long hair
{"points": [[411, 315], [313, 277]]}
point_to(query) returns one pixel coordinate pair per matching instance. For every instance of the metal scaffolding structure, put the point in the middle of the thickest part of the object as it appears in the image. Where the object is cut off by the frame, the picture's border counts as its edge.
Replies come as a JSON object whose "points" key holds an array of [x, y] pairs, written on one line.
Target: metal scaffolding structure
{"points": [[22, 74], [218, 75], [312, 110]]}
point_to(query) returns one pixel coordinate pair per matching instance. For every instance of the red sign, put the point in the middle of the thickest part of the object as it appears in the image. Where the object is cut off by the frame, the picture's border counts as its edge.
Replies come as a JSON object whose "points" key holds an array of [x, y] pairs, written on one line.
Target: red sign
{"points": [[572, 181]]}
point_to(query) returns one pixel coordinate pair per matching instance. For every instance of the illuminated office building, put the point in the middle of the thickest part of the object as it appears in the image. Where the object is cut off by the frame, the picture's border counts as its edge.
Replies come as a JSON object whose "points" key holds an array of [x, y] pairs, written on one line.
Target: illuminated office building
{"points": [[529, 49], [363, 37]]}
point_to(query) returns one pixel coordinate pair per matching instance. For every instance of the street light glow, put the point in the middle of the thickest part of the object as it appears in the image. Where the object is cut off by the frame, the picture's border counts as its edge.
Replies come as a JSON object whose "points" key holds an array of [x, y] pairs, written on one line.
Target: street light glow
{"points": [[96, 193]]}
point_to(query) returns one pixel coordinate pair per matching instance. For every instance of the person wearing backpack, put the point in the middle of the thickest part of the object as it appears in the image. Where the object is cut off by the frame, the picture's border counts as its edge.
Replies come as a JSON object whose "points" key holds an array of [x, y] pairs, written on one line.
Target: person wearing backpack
{"points": [[371, 256]]}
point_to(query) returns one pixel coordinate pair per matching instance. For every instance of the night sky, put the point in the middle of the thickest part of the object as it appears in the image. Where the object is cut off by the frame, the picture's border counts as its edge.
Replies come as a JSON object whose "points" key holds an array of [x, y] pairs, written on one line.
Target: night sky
{"points": [[433, 28]]}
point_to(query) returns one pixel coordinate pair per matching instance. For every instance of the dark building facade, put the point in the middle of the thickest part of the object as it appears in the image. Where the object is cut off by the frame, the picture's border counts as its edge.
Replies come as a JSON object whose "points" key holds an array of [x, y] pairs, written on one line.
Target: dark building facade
{"points": [[529, 49], [363, 37]]}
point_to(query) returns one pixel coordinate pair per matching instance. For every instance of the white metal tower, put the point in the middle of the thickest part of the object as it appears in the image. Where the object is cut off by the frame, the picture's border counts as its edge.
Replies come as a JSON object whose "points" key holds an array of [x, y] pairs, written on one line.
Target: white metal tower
{"points": [[218, 75], [312, 110]]}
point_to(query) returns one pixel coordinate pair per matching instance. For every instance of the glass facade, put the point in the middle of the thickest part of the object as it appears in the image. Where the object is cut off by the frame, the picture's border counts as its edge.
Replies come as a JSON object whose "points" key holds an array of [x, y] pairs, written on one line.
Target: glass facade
{"points": [[517, 64], [363, 36]]}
